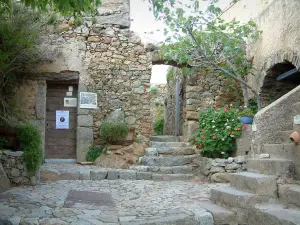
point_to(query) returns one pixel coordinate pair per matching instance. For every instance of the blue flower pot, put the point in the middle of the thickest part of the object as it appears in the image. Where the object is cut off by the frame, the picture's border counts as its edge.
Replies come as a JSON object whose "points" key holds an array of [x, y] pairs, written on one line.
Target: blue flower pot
{"points": [[246, 119]]}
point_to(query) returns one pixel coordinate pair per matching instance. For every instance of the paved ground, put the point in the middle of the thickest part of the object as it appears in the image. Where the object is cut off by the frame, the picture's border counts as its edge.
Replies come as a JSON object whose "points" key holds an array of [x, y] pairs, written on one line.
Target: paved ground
{"points": [[108, 202]]}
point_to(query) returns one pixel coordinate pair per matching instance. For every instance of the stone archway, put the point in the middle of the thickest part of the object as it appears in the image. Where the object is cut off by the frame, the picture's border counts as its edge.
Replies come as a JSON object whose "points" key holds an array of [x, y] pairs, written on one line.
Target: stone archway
{"points": [[273, 85]]}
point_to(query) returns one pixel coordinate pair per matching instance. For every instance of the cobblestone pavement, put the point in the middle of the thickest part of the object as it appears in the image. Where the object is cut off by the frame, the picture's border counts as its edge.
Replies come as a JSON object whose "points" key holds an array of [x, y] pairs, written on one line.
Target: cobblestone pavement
{"points": [[108, 202]]}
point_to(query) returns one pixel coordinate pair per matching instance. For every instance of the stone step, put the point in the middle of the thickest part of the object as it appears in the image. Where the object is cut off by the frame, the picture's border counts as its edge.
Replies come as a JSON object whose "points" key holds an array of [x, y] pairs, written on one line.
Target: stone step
{"points": [[284, 136], [181, 173], [167, 161], [169, 177], [169, 151], [165, 169], [296, 108], [231, 197], [278, 167], [289, 194], [221, 215], [165, 138], [155, 144], [280, 151], [255, 183], [274, 214]]}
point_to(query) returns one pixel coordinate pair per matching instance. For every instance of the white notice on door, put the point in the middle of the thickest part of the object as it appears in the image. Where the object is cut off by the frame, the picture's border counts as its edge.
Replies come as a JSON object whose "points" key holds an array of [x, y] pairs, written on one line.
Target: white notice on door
{"points": [[62, 119]]}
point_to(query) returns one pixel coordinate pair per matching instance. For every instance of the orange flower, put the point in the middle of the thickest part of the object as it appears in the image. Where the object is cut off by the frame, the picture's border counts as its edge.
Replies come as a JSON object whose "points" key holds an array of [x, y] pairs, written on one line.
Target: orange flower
{"points": [[239, 128], [232, 133], [196, 139], [202, 136], [214, 137], [225, 110]]}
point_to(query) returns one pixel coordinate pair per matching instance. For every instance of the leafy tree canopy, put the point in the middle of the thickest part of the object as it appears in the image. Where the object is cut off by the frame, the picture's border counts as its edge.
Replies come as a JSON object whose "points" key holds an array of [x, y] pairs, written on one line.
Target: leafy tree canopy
{"points": [[65, 7], [198, 37]]}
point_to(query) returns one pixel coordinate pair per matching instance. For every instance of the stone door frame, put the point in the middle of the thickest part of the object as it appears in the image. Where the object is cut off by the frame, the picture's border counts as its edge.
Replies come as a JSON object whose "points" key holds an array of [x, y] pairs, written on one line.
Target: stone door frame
{"points": [[84, 136]]}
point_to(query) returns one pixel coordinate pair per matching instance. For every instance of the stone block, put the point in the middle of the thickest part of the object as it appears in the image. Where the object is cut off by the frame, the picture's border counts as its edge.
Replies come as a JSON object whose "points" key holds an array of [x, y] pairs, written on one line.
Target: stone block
{"points": [[220, 178], [157, 177], [240, 159], [98, 174], [167, 161], [289, 194], [165, 170], [232, 166], [5, 183], [151, 152], [15, 172], [203, 217], [85, 120], [113, 174], [217, 169], [127, 174], [254, 183], [40, 104], [219, 162], [85, 138], [191, 128], [182, 169], [144, 175], [68, 176], [84, 175], [169, 177], [192, 115]]}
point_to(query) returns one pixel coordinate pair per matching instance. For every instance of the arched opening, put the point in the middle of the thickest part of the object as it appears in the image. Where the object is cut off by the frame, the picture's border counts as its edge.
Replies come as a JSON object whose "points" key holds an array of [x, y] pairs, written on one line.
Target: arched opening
{"points": [[280, 79]]}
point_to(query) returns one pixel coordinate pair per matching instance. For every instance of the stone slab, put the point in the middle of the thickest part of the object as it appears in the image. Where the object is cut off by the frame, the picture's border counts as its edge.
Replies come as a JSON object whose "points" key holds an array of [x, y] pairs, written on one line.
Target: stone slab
{"points": [[165, 138], [113, 174], [98, 174], [289, 194], [5, 183], [143, 176], [284, 168], [127, 174], [270, 214], [176, 150], [232, 197], [155, 144], [168, 161], [255, 183]]}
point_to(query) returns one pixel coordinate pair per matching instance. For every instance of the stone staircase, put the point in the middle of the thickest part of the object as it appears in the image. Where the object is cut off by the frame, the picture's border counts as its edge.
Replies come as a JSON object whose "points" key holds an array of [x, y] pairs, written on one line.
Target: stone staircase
{"points": [[263, 195], [168, 158]]}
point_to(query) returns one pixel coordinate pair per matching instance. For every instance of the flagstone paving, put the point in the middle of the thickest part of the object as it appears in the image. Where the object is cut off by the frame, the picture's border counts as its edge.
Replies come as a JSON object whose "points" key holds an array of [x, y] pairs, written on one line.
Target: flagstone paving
{"points": [[107, 202]]}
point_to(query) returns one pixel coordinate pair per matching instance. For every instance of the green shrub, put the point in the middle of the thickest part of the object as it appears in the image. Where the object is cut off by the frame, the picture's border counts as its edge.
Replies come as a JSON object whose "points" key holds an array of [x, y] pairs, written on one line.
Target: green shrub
{"points": [[218, 129], [159, 127], [31, 143], [93, 153], [3, 142], [246, 112], [111, 132], [153, 90]]}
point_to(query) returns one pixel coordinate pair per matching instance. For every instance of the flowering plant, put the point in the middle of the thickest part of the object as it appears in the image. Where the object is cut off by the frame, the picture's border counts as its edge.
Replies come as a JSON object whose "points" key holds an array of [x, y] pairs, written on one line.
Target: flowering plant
{"points": [[218, 129]]}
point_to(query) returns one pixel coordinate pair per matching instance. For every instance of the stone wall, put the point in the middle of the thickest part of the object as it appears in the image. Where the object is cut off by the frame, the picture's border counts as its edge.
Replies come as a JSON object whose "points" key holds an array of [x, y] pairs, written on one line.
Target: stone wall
{"points": [[213, 168], [110, 60], [15, 168], [206, 89]]}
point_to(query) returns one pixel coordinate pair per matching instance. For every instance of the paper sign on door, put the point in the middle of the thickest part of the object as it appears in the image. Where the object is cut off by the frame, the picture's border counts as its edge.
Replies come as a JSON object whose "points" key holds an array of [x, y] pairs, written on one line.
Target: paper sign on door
{"points": [[62, 119]]}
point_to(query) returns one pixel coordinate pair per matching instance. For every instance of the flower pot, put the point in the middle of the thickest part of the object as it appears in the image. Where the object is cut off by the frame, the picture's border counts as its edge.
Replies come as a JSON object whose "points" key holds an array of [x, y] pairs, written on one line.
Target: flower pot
{"points": [[295, 137], [246, 119]]}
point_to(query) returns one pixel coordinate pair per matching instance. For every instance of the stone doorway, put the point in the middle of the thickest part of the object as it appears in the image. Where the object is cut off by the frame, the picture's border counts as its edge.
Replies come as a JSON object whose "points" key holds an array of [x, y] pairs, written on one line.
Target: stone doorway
{"points": [[273, 88], [60, 142]]}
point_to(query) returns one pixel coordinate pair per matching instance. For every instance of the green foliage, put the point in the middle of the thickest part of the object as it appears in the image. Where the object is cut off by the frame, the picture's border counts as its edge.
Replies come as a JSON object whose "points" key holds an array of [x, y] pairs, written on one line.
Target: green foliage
{"points": [[246, 112], [170, 74], [201, 39], [153, 90], [65, 7], [159, 127], [3, 142], [52, 19], [218, 129], [18, 37], [253, 105], [31, 143], [93, 153], [111, 132]]}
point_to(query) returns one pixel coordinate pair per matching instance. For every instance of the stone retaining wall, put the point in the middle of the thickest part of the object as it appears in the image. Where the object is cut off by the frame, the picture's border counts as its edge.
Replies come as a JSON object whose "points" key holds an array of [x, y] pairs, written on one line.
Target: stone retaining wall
{"points": [[213, 168], [15, 168]]}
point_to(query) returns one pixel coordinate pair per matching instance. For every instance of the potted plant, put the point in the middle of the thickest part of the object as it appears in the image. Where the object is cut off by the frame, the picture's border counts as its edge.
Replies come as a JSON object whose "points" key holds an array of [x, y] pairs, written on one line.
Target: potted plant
{"points": [[246, 116]]}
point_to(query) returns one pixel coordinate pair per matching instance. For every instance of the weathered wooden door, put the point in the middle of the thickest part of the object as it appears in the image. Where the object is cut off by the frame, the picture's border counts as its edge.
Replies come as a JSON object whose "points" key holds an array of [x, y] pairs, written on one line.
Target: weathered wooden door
{"points": [[60, 143]]}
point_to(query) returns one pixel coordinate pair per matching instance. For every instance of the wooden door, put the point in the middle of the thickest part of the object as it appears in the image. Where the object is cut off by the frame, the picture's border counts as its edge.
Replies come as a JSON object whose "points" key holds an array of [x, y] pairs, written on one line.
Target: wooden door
{"points": [[60, 143]]}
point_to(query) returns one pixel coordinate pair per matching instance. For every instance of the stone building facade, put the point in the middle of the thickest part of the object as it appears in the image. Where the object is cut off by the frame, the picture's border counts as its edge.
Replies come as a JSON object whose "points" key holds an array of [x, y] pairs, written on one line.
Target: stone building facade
{"points": [[101, 56]]}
